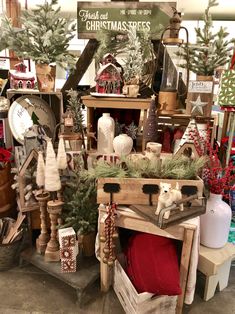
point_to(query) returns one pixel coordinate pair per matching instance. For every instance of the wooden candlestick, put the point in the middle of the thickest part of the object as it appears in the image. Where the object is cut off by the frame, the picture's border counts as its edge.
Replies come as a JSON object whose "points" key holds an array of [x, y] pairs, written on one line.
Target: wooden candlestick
{"points": [[52, 253], [41, 242]]}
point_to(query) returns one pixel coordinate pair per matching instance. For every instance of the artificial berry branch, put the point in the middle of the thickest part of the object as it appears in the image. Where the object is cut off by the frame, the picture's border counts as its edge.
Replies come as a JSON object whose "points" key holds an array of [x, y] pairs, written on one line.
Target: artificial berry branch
{"points": [[217, 179]]}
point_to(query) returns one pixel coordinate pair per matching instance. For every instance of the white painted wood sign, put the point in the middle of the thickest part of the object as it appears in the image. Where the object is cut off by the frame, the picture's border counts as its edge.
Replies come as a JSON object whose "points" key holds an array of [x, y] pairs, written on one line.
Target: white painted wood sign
{"points": [[204, 87]]}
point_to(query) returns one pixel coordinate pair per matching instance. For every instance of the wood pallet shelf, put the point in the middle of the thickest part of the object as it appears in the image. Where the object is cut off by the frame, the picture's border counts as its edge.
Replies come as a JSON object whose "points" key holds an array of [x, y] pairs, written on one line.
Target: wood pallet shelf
{"points": [[86, 274]]}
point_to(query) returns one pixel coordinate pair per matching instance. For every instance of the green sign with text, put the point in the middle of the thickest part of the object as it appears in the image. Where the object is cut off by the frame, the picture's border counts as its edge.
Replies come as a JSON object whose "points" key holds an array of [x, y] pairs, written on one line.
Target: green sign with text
{"points": [[93, 16]]}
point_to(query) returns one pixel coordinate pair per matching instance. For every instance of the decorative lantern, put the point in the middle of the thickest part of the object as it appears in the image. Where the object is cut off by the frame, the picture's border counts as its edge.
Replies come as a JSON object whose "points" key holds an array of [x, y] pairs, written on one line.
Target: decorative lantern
{"points": [[68, 121], [31, 140], [171, 64]]}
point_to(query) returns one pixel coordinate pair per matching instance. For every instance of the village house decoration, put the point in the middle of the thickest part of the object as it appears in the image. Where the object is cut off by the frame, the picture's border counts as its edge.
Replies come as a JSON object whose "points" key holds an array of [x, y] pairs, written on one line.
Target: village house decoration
{"points": [[20, 79], [109, 78]]}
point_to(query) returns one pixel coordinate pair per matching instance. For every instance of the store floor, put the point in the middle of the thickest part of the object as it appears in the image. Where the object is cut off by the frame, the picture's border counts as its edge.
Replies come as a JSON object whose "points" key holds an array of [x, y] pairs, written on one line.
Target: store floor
{"points": [[29, 290]]}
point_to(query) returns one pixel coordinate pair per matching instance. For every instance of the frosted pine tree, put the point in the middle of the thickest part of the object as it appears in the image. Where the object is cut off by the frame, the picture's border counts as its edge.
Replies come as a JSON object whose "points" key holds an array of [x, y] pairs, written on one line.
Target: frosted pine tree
{"points": [[75, 106], [52, 177], [40, 176], [61, 155], [133, 66], [211, 49]]}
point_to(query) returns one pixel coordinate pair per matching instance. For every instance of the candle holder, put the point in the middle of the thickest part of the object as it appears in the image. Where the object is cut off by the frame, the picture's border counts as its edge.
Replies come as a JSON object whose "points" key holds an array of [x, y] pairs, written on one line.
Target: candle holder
{"points": [[41, 243], [52, 253]]}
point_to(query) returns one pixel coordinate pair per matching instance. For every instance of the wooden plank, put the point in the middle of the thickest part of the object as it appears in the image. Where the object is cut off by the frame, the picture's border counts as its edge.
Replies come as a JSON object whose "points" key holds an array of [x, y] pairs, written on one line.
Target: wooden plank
{"points": [[184, 266], [81, 66], [131, 192], [87, 270], [105, 274], [211, 259], [175, 218], [116, 102], [13, 11]]}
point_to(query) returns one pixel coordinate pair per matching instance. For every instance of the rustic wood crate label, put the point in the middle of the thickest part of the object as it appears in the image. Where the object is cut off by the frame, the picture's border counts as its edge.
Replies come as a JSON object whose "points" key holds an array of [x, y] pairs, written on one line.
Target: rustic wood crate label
{"points": [[93, 16]]}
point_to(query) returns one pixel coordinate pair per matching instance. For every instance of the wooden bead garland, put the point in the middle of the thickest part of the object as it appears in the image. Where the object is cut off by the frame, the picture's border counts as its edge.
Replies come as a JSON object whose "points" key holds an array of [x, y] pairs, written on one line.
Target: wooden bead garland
{"points": [[110, 233]]}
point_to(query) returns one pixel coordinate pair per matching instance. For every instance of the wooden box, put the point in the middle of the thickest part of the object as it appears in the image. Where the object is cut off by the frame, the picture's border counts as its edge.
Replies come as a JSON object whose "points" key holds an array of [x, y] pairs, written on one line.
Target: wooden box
{"points": [[132, 190], [139, 303]]}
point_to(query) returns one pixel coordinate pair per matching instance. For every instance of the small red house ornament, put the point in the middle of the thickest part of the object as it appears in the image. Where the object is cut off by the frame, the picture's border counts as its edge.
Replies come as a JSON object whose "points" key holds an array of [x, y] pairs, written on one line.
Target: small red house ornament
{"points": [[20, 79], [109, 77]]}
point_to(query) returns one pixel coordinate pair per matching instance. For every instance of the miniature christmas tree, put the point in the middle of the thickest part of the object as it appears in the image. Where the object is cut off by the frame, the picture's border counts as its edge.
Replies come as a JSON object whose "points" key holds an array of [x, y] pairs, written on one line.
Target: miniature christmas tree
{"points": [[40, 177], [75, 106], [44, 37], [150, 129], [52, 177], [211, 49], [61, 155], [133, 67]]}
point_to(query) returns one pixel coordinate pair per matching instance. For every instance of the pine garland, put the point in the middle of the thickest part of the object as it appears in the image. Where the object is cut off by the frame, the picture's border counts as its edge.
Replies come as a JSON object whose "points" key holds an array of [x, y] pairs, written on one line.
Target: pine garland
{"points": [[211, 49]]}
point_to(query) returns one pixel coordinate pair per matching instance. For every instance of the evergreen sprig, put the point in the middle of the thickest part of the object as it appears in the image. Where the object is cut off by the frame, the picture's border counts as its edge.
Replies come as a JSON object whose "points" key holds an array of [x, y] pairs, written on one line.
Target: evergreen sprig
{"points": [[211, 50], [136, 47], [44, 36], [80, 209], [75, 106]]}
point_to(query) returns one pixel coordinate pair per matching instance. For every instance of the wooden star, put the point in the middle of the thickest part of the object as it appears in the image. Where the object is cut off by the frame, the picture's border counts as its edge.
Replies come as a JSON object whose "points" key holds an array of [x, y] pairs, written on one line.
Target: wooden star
{"points": [[198, 105]]}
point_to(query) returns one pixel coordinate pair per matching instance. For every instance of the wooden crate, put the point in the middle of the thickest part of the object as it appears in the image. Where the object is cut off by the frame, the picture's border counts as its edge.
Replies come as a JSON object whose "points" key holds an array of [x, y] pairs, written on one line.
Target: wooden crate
{"points": [[131, 190], [140, 303]]}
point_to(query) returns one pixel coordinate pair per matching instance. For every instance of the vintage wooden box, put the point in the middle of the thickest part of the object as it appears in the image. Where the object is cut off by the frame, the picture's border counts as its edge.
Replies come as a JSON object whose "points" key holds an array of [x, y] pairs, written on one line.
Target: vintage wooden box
{"points": [[139, 303], [135, 190]]}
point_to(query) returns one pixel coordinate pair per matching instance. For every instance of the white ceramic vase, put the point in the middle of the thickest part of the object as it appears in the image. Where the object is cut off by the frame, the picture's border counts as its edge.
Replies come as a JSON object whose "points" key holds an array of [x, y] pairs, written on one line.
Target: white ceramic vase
{"points": [[105, 131], [122, 144], [215, 223]]}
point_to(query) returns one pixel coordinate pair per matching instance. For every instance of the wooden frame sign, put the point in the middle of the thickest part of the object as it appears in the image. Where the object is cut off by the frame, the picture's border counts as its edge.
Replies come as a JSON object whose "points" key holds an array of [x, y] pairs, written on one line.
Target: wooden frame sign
{"points": [[93, 16]]}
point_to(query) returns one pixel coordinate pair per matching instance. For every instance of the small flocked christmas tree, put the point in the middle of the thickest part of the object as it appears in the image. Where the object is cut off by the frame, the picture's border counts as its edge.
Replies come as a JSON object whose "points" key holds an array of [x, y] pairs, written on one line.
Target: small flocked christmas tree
{"points": [[44, 37], [150, 128], [211, 50], [61, 155], [52, 177], [40, 177], [75, 106], [133, 67]]}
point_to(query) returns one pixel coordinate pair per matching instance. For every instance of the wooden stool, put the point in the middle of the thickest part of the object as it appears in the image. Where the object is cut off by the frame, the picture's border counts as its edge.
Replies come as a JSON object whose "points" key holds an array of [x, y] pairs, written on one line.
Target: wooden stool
{"points": [[215, 265]]}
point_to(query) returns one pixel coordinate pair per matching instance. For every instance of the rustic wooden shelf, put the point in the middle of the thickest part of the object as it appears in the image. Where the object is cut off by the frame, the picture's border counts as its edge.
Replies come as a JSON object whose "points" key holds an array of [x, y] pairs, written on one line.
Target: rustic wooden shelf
{"points": [[116, 103], [86, 274]]}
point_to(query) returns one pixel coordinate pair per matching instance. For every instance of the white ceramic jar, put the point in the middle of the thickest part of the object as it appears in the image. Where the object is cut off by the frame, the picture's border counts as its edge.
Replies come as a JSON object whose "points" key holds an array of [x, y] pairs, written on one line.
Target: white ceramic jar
{"points": [[105, 132], [123, 144], [215, 223]]}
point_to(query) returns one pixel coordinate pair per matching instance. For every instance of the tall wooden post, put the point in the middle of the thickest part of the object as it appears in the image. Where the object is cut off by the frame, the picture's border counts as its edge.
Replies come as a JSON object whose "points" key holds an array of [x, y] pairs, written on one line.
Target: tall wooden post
{"points": [[13, 12]]}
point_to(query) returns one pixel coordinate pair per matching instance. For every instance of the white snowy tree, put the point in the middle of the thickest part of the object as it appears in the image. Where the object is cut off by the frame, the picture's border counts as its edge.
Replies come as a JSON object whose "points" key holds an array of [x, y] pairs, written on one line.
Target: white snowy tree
{"points": [[40, 176], [61, 155], [52, 177]]}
